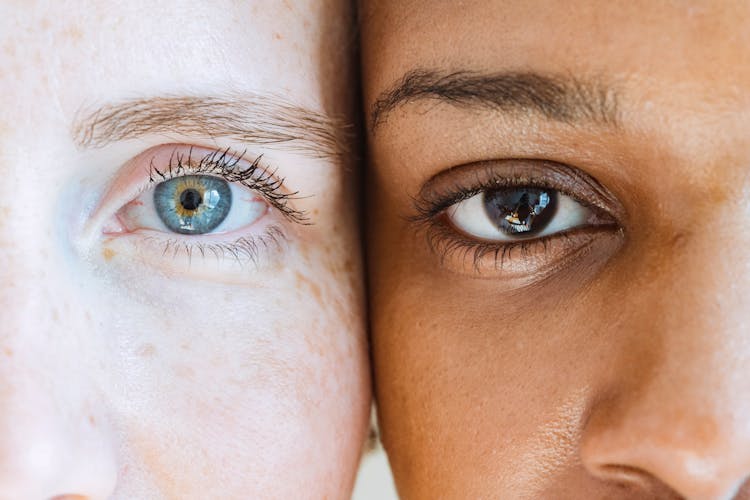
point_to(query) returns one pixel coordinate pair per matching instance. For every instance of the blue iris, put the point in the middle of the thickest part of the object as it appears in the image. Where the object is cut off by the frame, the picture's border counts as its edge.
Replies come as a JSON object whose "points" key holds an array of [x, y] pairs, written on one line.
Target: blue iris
{"points": [[193, 204]]}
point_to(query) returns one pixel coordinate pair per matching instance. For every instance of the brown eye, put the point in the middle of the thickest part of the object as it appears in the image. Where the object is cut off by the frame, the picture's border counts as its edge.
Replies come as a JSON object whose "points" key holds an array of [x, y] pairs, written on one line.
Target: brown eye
{"points": [[514, 213], [520, 211]]}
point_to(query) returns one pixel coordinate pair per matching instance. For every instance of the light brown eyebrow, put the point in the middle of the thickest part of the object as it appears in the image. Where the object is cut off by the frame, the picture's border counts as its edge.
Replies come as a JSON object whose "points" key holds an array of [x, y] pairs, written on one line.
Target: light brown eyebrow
{"points": [[249, 118], [561, 98]]}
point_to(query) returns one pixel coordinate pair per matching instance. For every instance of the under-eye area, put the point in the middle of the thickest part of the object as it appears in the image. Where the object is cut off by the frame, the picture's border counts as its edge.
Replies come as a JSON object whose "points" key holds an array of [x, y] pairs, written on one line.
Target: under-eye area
{"points": [[184, 203], [519, 218]]}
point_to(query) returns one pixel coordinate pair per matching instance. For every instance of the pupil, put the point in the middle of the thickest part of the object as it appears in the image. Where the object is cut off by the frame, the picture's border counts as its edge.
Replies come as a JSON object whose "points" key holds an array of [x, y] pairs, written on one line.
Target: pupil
{"points": [[521, 211], [190, 199]]}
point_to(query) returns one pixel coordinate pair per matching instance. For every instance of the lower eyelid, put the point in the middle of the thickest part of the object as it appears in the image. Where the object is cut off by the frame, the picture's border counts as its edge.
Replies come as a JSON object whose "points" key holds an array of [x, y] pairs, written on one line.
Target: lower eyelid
{"points": [[519, 262], [212, 259]]}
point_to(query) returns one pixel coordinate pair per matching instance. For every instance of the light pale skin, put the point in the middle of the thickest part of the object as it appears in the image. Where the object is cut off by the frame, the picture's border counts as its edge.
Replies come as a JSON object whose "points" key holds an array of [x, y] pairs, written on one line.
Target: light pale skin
{"points": [[608, 363], [141, 364]]}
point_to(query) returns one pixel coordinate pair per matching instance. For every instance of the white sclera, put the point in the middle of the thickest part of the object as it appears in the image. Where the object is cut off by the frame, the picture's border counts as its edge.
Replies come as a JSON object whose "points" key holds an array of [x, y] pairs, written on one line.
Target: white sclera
{"points": [[247, 207], [470, 217]]}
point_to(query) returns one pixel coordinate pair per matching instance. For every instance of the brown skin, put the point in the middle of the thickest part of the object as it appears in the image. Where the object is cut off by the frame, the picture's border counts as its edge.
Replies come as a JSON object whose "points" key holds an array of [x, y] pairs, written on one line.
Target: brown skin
{"points": [[617, 372]]}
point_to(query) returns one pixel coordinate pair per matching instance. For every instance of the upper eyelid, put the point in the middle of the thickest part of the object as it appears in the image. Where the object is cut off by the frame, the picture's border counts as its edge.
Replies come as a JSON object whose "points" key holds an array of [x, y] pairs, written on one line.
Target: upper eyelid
{"points": [[222, 163], [545, 173], [130, 181]]}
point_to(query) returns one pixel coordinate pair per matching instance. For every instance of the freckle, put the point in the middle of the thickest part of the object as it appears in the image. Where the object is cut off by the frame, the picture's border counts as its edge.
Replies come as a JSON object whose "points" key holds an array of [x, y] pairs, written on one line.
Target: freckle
{"points": [[108, 254], [315, 289], [92, 421], [302, 280], [183, 371], [185, 347], [717, 194], [278, 36], [146, 351], [8, 352], [74, 33]]}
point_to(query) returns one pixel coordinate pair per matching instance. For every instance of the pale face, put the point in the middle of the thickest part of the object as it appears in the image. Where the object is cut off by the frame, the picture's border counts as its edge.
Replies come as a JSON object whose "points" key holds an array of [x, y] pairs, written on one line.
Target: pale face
{"points": [[559, 246], [177, 322]]}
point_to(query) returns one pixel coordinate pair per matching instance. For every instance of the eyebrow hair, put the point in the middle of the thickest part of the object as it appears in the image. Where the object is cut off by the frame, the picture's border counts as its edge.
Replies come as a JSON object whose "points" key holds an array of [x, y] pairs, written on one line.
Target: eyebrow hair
{"points": [[252, 118], [560, 98]]}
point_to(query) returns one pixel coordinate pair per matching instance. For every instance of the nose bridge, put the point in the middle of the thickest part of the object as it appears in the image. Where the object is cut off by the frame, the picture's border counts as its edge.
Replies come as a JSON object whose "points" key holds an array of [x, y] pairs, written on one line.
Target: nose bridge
{"points": [[680, 414]]}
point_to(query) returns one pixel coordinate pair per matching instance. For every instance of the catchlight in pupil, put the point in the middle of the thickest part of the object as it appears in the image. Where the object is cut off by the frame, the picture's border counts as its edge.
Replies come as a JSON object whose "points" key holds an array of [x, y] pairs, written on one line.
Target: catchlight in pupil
{"points": [[193, 204], [520, 210]]}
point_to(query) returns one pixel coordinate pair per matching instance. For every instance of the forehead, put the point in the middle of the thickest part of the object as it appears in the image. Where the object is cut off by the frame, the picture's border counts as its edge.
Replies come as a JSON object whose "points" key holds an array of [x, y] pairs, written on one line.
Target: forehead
{"points": [[701, 43], [81, 51]]}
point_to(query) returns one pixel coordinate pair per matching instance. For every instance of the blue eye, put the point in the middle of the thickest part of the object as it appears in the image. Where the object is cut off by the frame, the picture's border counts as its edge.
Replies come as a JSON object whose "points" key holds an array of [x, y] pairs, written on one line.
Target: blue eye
{"points": [[193, 204]]}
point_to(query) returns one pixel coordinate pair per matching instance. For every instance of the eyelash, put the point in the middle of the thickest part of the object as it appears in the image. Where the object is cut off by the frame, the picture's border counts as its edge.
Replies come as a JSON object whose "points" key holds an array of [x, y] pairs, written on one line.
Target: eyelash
{"points": [[430, 206], [241, 249], [222, 164]]}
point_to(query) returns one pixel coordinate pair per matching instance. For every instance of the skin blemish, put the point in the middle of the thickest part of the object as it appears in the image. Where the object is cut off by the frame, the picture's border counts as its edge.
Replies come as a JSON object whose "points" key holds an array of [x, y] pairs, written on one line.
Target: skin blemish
{"points": [[304, 281], [73, 33], [8, 352], [108, 254], [146, 351], [92, 421], [183, 371]]}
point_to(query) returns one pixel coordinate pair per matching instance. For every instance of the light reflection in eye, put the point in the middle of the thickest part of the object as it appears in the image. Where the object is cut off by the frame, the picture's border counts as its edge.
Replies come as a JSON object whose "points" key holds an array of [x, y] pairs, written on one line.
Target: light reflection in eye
{"points": [[193, 205], [174, 204]]}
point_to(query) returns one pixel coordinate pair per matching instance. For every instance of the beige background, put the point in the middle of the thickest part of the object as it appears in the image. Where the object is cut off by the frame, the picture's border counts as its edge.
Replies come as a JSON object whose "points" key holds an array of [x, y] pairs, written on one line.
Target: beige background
{"points": [[374, 481]]}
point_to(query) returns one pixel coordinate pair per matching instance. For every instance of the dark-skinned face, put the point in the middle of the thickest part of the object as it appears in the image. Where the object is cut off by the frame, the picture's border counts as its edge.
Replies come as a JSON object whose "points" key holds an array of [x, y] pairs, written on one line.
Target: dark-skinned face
{"points": [[559, 246]]}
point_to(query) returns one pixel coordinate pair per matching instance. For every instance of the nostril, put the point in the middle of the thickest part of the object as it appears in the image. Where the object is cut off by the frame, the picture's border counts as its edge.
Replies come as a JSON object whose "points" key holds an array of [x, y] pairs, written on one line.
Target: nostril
{"points": [[623, 474], [634, 479], [626, 476]]}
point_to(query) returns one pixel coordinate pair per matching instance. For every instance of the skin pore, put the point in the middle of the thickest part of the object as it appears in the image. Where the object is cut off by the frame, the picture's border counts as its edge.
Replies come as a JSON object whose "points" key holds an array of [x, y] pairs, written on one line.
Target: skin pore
{"points": [[607, 359], [143, 363]]}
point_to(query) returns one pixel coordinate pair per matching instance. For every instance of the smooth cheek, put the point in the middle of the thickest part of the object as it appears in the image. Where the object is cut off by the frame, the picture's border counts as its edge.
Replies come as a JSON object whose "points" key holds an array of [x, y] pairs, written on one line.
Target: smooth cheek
{"points": [[243, 394], [473, 401]]}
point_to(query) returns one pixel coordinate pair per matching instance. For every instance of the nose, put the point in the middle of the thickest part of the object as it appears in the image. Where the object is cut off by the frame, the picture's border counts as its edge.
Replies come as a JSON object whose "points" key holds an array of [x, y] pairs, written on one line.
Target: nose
{"points": [[675, 413], [48, 451], [55, 442]]}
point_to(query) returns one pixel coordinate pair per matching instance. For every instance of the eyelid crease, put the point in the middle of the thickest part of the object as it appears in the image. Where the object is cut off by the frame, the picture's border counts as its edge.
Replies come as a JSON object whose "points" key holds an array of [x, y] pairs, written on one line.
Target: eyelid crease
{"points": [[451, 186], [223, 163], [462, 182]]}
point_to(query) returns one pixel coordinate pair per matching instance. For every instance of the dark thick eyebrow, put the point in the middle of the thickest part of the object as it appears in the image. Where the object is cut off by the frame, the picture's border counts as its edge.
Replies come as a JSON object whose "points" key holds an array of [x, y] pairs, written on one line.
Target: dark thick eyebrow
{"points": [[560, 98], [250, 118]]}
